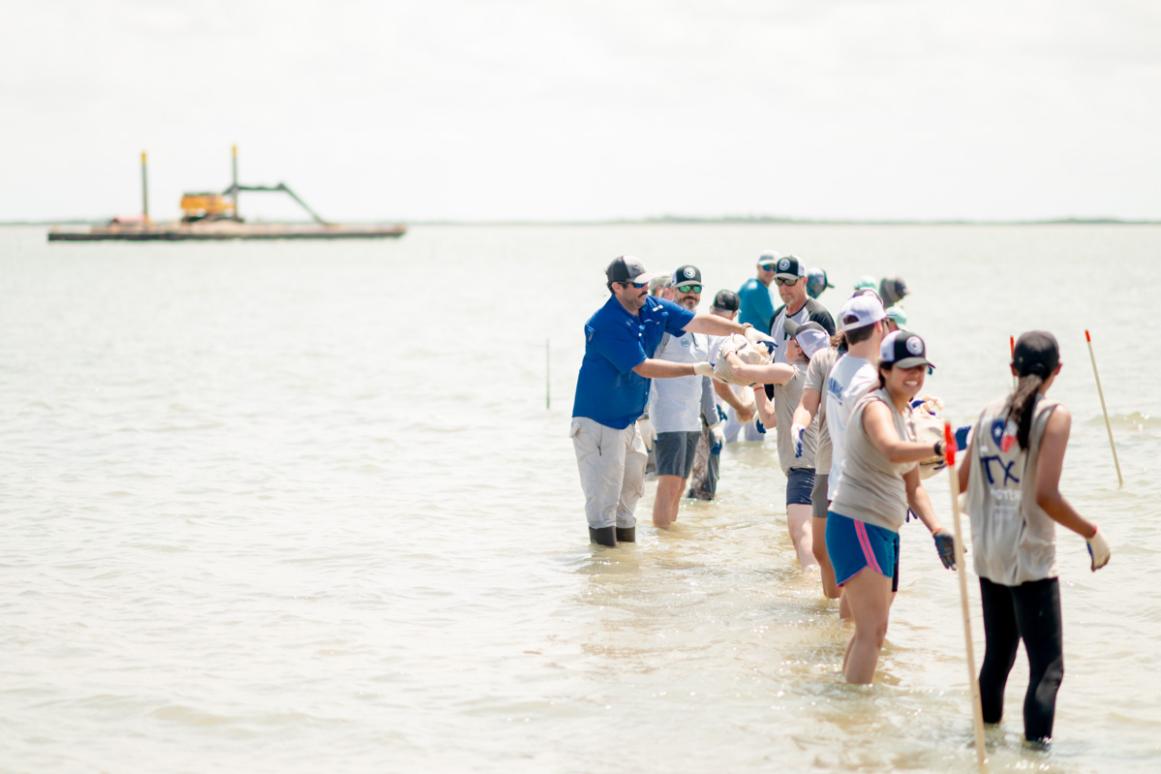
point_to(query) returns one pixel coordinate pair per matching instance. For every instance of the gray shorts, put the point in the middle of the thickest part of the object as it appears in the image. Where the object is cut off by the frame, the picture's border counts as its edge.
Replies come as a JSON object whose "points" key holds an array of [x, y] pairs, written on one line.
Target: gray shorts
{"points": [[818, 499], [675, 452]]}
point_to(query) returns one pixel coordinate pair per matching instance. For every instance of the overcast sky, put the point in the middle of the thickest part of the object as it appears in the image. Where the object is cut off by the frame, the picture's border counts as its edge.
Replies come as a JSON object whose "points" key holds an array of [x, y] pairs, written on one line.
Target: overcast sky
{"points": [[582, 110]]}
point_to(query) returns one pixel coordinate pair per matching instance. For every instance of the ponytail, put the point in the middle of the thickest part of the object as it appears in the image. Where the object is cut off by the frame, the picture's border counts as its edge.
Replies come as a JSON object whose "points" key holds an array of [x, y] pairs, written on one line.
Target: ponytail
{"points": [[1021, 406]]}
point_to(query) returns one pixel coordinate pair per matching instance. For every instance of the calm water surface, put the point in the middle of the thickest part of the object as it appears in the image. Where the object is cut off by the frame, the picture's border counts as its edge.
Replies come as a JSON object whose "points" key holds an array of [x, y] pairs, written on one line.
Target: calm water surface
{"points": [[300, 507]]}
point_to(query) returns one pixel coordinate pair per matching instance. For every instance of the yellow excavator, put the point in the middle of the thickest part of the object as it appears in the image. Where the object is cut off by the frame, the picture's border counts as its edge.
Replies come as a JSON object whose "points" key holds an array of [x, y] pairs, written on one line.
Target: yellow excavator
{"points": [[209, 206]]}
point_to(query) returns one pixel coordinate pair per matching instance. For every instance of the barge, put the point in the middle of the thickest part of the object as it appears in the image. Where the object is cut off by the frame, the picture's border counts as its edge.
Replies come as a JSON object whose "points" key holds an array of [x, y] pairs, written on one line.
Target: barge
{"points": [[210, 216]]}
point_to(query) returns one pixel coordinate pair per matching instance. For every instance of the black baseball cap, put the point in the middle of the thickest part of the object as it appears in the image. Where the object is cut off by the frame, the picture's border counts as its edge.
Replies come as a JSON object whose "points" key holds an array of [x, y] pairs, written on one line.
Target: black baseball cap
{"points": [[904, 349], [626, 268], [789, 266], [1036, 352], [726, 300], [685, 274]]}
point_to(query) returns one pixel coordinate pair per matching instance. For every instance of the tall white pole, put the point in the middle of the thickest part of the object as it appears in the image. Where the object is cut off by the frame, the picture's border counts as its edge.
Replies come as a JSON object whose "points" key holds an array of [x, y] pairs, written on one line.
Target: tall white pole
{"points": [[1104, 409], [961, 573]]}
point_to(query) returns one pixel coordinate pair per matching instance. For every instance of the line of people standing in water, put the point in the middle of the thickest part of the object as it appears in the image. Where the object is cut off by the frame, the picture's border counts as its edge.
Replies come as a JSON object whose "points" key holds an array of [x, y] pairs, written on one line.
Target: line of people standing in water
{"points": [[854, 435]]}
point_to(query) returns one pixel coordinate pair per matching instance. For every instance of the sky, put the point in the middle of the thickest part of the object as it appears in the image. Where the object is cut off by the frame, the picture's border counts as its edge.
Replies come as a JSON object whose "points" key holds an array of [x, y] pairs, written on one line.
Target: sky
{"points": [[512, 110]]}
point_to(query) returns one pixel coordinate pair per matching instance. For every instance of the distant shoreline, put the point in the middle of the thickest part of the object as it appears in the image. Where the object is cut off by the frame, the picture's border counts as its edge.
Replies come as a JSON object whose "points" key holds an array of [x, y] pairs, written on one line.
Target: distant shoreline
{"points": [[683, 220]]}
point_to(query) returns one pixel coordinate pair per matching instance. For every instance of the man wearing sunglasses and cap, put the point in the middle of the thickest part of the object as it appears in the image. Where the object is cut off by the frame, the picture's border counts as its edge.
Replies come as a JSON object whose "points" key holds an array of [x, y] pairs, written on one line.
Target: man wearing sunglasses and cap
{"points": [[676, 405], [613, 386], [798, 306]]}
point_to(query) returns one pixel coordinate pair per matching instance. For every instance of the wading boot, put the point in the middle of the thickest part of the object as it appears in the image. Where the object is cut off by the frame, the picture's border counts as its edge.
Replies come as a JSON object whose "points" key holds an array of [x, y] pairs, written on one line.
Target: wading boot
{"points": [[605, 536], [626, 534]]}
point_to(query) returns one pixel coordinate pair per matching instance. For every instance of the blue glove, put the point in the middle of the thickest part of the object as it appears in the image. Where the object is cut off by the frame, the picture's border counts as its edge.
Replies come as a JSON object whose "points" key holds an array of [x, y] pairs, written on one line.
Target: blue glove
{"points": [[797, 433], [945, 547], [761, 427], [962, 437]]}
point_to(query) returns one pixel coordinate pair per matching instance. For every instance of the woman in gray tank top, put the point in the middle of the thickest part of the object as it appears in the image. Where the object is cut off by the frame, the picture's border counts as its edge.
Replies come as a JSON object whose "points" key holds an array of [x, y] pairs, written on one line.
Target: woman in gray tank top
{"points": [[880, 480], [1011, 475]]}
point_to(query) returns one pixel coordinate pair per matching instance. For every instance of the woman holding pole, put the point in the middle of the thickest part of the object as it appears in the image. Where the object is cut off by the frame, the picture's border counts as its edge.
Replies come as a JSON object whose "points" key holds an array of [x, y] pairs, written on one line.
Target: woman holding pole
{"points": [[1011, 476], [880, 481]]}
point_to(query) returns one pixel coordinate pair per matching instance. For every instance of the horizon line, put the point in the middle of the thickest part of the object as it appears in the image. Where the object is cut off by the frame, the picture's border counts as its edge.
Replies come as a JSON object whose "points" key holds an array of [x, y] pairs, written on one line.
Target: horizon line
{"points": [[676, 220]]}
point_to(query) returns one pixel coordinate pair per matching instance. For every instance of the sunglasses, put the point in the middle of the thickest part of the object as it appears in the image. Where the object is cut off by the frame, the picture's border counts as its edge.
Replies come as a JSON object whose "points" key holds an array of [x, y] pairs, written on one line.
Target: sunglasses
{"points": [[786, 282], [637, 285], [690, 288], [766, 266]]}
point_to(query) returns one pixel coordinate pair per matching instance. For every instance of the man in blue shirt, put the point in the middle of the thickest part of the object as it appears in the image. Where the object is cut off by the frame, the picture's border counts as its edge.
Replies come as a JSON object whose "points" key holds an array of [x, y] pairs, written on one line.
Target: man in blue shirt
{"points": [[613, 387], [756, 305]]}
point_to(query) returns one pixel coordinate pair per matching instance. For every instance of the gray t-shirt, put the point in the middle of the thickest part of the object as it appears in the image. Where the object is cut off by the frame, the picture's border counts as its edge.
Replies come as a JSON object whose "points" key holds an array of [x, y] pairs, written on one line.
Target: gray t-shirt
{"points": [[872, 488], [816, 376], [786, 397], [1013, 539]]}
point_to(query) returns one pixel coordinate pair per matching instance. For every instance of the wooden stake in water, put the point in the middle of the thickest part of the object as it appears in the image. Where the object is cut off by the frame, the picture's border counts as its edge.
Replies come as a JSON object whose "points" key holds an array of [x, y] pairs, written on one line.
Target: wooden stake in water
{"points": [[547, 395], [961, 573], [1101, 393]]}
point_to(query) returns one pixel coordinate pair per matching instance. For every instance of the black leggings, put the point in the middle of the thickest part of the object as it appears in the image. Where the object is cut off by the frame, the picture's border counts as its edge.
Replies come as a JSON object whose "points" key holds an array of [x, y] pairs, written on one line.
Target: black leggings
{"points": [[1028, 612]]}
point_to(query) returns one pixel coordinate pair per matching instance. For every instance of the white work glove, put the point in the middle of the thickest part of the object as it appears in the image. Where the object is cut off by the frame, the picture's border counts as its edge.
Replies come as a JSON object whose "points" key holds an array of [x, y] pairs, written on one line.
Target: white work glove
{"points": [[753, 335], [797, 434], [718, 432], [1098, 550], [703, 369]]}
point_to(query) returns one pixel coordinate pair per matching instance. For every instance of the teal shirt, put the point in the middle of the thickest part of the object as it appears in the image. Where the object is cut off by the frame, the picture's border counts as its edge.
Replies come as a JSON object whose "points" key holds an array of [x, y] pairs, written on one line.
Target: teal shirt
{"points": [[755, 305]]}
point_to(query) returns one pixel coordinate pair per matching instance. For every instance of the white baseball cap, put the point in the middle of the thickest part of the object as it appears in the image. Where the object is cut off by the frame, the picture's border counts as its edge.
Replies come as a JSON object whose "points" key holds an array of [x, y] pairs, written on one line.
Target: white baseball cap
{"points": [[860, 311], [811, 336]]}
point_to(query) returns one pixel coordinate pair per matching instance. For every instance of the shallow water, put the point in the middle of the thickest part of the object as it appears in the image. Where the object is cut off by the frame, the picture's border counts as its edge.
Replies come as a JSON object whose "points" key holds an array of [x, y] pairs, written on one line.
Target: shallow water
{"points": [[300, 507]]}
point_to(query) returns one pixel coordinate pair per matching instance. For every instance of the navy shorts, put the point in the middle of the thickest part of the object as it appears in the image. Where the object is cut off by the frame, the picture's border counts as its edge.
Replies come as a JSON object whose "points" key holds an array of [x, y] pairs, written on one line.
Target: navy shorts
{"points": [[799, 485], [675, 453], [854, 545]]}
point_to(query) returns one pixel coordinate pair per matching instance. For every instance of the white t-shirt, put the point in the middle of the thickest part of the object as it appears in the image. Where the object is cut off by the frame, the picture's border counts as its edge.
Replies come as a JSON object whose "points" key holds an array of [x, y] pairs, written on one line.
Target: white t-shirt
{"points": [[675, 404], [850, 379]]}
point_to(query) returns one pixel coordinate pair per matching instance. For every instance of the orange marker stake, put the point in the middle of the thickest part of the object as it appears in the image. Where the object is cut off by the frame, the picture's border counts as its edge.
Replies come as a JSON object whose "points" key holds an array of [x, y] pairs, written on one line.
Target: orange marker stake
{"points": [[1101, 393], [1012, 354], [961, 574]]}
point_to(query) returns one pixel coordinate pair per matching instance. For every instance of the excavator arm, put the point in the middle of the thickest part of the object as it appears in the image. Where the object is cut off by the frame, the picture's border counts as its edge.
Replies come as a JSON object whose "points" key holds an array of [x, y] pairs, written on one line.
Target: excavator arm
{"points": [[283, 188]]}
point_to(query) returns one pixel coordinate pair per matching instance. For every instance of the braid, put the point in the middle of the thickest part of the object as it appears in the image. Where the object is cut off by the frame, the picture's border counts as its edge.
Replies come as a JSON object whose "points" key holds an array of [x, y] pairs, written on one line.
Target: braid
{"points": [[1021, 404]]}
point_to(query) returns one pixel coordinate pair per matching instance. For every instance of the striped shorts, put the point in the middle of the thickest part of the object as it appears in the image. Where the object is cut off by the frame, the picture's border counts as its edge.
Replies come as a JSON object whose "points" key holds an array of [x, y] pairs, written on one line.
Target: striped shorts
{"points": [[853, 545]]}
